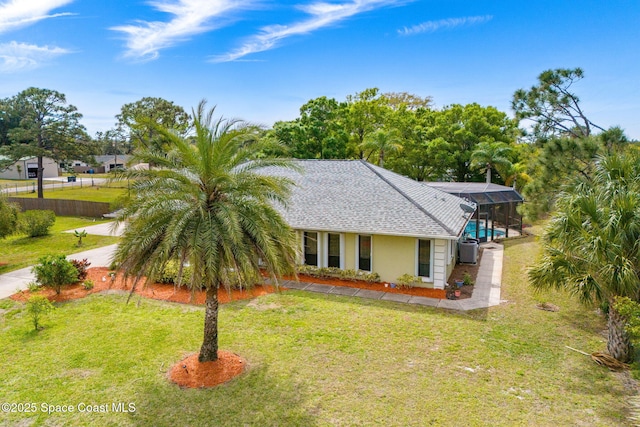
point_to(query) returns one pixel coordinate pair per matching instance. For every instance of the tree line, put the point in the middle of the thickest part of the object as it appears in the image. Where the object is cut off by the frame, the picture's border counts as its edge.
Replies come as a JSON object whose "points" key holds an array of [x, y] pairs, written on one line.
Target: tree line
{"points": [[399, 131]]}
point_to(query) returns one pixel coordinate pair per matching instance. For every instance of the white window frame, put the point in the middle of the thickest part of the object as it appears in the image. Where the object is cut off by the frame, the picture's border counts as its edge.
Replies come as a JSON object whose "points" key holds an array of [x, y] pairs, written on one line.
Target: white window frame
{"points": [[325, 252], [452, 250], [318, 238], [431, 259], [357, 263]]}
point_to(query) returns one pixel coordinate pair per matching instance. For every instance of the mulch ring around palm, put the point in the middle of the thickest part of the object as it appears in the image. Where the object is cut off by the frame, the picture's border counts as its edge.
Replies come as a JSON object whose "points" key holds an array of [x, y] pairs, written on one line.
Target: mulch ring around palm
{"points": [[191, 373]]}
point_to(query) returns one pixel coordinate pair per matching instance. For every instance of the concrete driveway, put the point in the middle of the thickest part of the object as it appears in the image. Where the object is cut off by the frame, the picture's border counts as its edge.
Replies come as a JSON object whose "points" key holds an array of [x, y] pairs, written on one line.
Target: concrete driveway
{"points": [[14, 281]]}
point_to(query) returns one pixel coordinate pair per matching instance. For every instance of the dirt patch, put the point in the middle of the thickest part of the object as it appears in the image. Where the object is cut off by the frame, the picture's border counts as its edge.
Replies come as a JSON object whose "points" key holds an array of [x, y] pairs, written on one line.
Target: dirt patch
{"points": [[458, 274], [189, 372]]}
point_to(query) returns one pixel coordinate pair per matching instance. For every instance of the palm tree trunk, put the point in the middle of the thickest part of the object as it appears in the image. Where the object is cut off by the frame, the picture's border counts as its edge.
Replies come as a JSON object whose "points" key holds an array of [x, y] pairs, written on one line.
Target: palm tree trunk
{"points": [[209, 349], [618, 343], [488, 174]]}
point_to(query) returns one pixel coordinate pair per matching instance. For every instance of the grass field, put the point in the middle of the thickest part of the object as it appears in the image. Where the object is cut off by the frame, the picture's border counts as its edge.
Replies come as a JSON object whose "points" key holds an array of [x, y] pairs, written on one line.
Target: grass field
{"points": [[19, 251], [11, 182], [319, 360], [90, 194]]}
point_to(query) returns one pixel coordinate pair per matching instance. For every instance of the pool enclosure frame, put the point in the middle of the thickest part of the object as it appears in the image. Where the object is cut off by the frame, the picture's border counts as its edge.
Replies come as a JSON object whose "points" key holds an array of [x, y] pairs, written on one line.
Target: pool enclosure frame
{"points": [[497, 205]]}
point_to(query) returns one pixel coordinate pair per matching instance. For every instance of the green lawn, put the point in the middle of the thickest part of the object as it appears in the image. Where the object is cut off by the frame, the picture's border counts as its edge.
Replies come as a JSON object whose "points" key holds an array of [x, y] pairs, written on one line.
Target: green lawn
{"points": [[11, 182], [19, 251], [90, 194], [319, 360]]}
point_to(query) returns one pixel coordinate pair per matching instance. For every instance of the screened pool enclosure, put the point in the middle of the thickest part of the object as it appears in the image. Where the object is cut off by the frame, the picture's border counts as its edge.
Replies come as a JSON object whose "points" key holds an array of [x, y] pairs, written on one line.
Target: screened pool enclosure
{"points": [[496, 214]]}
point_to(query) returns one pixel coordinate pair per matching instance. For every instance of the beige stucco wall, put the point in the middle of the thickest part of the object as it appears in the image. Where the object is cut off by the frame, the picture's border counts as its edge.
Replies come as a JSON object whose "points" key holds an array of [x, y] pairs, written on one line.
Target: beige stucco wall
{"points": [[393, 256]]}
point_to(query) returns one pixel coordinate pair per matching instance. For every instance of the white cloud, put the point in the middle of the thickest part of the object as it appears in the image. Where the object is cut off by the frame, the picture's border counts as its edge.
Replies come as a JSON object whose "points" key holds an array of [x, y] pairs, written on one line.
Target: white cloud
{"points": [[431, 26], [145, 39], [322, 15], [16, 56], [19, 13]]}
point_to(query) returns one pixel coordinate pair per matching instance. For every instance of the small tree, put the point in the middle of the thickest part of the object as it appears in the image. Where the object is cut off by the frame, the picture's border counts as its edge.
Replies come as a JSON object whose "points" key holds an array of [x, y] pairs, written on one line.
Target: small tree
{"points": [[55, 271], [38, 306], [80, 235], [8, 217], [37, 223]]}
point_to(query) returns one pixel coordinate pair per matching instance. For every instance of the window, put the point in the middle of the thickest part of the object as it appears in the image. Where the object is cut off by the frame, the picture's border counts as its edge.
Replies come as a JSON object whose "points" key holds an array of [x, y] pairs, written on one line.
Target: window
{"points": [[424, 258], [364, 253], [311, 248], [452, 250], [333, 247]]}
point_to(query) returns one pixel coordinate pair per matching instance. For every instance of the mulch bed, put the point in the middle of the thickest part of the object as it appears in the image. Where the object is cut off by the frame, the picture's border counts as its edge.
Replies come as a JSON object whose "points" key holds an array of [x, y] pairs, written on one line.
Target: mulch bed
{"points": [[102, 282], [419, 292]]}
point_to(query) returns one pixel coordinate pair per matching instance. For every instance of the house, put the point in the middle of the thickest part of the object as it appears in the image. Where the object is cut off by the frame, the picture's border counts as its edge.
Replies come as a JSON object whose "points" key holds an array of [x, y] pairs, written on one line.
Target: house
{"points": [[351, 214], [103, 164], [27, 167]]}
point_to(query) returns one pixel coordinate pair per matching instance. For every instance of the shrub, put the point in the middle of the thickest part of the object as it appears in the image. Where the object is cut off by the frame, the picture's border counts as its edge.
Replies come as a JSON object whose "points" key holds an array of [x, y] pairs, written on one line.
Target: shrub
{"points": [[55, 271], [349, 274], [33, 287], [372, 277], [37, 223], [38, 306], [81, 266], [170, 273], [407, 281], [88, 284], [324, 272], [466, 279], [8, 217]]}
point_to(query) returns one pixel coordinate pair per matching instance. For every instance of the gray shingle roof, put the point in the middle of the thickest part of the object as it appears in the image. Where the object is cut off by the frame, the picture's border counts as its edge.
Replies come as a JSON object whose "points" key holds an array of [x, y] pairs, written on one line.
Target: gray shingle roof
{"points": [[355, 196]]}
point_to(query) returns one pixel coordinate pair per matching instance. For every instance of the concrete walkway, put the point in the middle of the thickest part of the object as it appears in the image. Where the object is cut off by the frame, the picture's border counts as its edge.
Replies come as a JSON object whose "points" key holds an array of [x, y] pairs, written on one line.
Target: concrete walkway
{"points": [[486, 292]]}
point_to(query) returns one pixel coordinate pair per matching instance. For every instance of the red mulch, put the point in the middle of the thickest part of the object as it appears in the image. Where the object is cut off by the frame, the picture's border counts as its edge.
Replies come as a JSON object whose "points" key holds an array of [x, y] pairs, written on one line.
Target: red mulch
{"points": [[193, 374], [102, 282], [419, 292]]}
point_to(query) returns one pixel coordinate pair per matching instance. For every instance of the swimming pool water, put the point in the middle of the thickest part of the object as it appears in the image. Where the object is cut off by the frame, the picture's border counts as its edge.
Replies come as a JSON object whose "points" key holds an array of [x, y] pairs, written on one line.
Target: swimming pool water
{"points": [[471, 229]]}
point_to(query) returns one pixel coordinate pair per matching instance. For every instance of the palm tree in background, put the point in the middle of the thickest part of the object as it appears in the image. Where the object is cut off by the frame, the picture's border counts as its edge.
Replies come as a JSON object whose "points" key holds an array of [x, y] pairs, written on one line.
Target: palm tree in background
{"points": [[382, 142], [592, 244], [491, 155], [206, 204]]}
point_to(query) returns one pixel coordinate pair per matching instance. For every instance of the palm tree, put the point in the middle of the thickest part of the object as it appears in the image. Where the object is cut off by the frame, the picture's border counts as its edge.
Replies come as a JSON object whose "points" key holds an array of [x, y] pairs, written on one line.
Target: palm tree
{"points": [[207, 204], [516, 176], [491, 155], [592, 244], [382, 142]]}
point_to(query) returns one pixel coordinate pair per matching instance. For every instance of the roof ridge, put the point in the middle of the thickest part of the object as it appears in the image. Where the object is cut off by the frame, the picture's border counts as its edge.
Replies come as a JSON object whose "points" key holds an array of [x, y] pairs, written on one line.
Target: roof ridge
{"points": [[406, 196]]}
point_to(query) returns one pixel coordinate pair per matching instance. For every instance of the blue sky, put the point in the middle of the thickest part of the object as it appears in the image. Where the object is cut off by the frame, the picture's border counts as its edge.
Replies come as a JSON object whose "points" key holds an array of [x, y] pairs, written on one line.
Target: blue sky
{"points": [[260, 60]]}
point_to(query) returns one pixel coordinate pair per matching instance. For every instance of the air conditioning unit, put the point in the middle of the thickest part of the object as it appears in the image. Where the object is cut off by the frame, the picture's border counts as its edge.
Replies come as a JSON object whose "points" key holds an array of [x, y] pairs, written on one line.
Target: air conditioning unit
{"points": [[468, 250]]}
